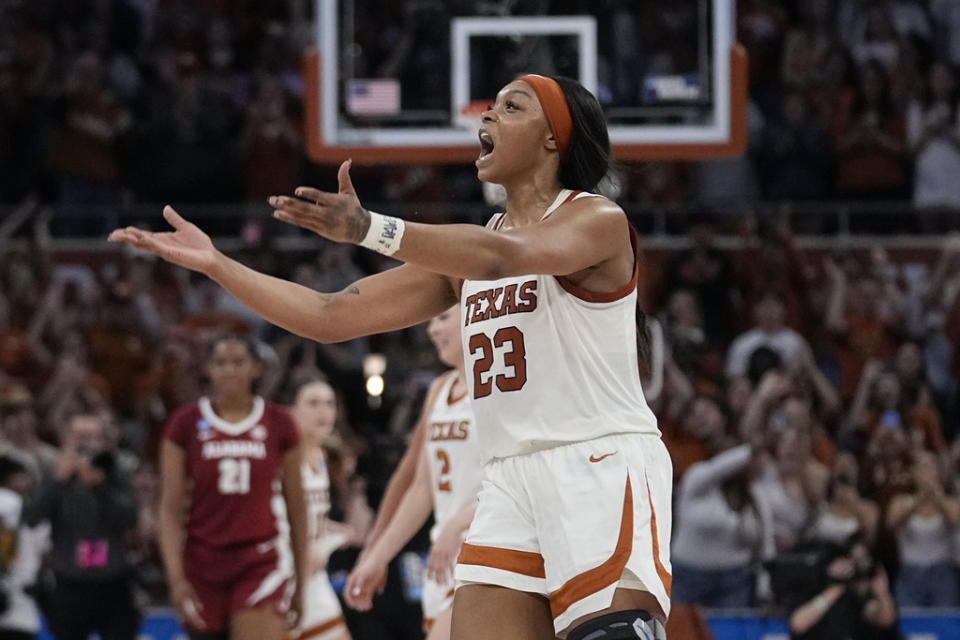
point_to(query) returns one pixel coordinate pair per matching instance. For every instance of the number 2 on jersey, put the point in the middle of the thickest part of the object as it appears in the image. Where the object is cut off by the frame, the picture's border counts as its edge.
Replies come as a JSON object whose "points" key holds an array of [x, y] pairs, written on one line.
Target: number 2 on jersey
{"points": [[443, 484], [234, 476], [516, 358]]}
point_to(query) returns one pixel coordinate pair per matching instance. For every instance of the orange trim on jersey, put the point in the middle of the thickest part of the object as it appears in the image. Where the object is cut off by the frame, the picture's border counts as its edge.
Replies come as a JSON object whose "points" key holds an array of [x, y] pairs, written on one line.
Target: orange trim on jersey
{"points": [[454, 400], [610, 296], [523, 562], [665, 576], [604, 575], [321, 628]]}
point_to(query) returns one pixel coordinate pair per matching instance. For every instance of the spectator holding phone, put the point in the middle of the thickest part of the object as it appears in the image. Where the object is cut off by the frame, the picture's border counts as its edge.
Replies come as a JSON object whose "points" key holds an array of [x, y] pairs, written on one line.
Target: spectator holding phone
{"points": [[924, 521], [854, 601], [90, 507]]}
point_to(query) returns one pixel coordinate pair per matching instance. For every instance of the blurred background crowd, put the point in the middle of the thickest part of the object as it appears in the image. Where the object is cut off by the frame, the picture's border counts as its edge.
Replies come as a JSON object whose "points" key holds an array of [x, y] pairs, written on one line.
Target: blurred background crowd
{"points": [[810, 395]]}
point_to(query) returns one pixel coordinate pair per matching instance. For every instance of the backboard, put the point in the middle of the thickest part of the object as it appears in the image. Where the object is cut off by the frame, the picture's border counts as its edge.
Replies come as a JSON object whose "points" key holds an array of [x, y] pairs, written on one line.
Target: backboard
{"points": [[405, 81]]}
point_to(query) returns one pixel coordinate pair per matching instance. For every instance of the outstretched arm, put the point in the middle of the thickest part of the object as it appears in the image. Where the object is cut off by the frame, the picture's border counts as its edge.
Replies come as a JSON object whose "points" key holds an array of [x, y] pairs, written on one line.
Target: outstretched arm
{"points": [[584, 233], [387, 301]]}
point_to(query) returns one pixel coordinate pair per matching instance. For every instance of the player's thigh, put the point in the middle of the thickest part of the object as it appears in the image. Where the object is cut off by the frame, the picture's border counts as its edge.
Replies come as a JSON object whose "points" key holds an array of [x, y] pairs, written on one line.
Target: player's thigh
{"points": [[488, 612], [261, 623]]}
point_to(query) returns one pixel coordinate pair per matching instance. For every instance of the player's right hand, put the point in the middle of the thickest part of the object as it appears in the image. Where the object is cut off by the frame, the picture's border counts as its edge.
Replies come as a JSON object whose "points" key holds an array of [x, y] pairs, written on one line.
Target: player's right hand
{"points": [[366, 580], [186, 246], [187, 603]]}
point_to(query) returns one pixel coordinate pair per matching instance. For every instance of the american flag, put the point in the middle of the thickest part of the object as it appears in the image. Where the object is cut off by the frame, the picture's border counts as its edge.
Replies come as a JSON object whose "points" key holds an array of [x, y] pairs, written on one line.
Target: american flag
{"points": [[373, 97]]}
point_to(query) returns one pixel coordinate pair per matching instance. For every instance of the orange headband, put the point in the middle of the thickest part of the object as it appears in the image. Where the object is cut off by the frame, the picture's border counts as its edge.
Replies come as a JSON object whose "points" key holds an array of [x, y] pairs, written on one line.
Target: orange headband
{"points": [[554, 107]]}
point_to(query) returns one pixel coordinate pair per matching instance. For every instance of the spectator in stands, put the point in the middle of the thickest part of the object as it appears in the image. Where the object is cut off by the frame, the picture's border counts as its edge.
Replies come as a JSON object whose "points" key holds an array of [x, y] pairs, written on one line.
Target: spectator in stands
{"points": [[121, 349], [86, 154], [706, 270], [939, 320], [880, 403], [924, 522], [769, 331], [91, 508], [833, 90], [698, 428], [21, 618], [855, 604], [271, 143], [807, 45], [933, 135], [18, 433], [724, 530], [871, 140], [946, 13], [843, 512], [910, 18], [864, 316], [875, 37], [794, 154], [684, 332], [792, 482]]}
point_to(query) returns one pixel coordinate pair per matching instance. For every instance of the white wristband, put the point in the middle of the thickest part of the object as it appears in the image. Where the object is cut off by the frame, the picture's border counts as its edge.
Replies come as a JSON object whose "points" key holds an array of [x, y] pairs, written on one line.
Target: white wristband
{"points": [[384, 234]]}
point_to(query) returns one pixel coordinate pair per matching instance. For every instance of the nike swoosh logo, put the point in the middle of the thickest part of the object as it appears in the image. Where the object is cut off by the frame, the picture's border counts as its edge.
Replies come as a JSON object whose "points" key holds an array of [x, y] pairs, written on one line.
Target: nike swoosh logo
{"points": [[596, 459]]}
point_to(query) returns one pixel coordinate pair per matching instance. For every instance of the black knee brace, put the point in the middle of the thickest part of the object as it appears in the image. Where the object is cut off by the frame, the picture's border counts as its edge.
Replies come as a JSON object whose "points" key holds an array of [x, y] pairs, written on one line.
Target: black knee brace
{"points": [[620, 625]]}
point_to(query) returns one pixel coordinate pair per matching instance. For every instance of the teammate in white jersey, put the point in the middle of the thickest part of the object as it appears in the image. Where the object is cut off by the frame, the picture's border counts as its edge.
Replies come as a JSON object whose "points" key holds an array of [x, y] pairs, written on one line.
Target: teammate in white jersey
{"points": [[446, 480], [572, 532], [315, 412]]}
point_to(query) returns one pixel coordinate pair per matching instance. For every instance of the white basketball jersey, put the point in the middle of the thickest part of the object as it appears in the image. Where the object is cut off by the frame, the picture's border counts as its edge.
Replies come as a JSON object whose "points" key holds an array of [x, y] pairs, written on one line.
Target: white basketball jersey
{"points": [[316, 495], [548, 363], [453, 454]]}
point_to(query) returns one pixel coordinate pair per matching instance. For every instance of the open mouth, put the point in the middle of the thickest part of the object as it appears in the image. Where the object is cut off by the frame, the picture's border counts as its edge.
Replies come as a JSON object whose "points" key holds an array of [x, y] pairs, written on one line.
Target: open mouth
{"points": [[486, 144]]}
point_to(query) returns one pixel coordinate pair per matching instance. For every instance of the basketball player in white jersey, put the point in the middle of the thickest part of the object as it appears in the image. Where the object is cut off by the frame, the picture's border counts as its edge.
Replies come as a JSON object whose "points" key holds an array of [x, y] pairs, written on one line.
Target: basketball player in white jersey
{"points": [[446, 481], [572, 532], [315, 412]]}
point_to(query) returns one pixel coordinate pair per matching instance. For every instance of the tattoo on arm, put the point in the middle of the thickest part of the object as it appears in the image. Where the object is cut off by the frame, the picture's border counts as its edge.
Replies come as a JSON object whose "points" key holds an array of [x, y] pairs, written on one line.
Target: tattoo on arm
{"points": [[357, 223]]}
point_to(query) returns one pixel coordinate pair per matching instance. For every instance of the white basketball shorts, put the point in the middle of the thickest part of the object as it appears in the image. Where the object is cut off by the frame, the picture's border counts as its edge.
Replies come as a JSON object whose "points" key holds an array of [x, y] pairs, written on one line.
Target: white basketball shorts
{"points": [[322, 616], [574, 523]]}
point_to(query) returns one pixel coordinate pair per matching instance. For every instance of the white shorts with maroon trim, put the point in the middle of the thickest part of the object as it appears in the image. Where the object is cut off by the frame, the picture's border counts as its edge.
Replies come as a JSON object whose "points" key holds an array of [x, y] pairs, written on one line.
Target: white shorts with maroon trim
{"points": [[322, 616], [574, 523]]}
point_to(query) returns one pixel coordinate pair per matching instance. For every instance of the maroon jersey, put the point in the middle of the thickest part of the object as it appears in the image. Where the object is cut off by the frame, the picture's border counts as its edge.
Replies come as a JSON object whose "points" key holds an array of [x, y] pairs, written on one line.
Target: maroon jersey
{"points": [[235, 498]]}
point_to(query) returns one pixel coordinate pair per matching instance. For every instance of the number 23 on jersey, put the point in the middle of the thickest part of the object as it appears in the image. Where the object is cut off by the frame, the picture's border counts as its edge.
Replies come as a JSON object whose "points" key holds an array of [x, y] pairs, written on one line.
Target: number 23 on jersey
{"points": [[507, 344]]}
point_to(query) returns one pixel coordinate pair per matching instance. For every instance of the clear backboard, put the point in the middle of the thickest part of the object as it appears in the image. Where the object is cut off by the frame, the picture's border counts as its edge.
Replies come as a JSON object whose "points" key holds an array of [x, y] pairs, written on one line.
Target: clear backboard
{"points": [[405, 81]]}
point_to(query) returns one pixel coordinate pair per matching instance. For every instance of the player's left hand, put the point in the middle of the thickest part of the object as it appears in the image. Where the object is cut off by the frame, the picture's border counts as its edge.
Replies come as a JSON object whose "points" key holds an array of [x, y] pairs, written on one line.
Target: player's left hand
{"points": [[443, 555], [363, 582], [335, 216]]}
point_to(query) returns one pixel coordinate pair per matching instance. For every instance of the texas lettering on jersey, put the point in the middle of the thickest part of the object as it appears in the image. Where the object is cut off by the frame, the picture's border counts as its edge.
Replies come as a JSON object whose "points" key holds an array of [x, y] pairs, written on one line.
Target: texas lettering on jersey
{"points": [[456, 430], [501, 301]]}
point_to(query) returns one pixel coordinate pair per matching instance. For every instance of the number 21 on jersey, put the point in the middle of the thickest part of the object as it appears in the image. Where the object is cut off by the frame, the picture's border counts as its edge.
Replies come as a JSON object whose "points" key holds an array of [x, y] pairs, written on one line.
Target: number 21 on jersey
{"points": [[234, 476], [514, 357]]}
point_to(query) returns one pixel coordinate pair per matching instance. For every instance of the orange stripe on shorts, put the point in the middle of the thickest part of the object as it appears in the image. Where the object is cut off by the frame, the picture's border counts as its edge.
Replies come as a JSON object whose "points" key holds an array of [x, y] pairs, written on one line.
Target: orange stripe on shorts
{"points": [[523, 562], [323, 627], [602, 576]]}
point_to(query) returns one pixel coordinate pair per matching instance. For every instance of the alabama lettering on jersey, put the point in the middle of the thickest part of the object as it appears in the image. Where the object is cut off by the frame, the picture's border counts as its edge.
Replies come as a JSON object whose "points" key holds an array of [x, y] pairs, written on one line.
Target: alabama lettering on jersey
{"points": [[549, 363], [453, 454], [234, 469]]}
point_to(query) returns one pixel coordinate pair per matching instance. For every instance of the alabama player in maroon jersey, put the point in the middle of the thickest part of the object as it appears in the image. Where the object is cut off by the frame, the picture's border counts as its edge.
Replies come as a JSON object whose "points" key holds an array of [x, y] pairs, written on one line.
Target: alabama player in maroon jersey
{"points": [[236, 459]]}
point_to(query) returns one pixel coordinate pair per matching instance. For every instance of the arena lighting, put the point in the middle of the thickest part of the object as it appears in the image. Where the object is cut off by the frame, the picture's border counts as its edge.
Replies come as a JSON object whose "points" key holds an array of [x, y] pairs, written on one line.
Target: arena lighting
{"points": [[375, 386], [374, 365]]}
